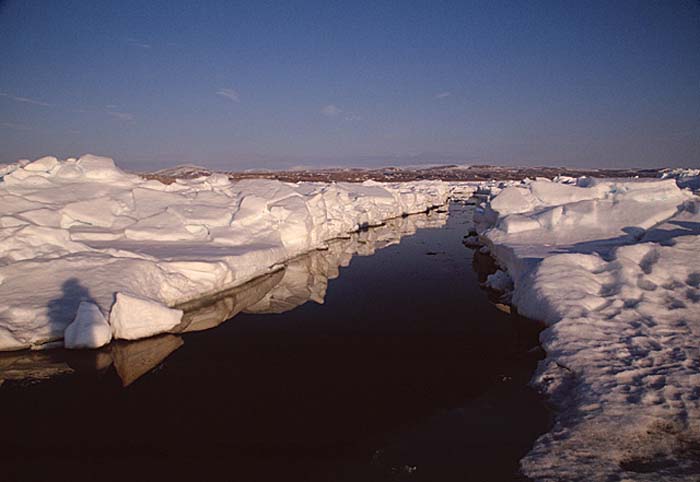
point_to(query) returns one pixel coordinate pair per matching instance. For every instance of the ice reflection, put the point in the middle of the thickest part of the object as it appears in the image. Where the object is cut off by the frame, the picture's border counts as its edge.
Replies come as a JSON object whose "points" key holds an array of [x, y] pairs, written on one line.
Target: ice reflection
{"points": [[31, 365], [304, 278], [301, 280], [134, 359]]}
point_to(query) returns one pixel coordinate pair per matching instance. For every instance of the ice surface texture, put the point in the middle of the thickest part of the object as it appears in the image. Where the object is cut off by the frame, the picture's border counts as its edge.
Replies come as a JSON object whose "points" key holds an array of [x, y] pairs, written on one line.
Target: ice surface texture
{"points": [[614, 269], [83, 231]]}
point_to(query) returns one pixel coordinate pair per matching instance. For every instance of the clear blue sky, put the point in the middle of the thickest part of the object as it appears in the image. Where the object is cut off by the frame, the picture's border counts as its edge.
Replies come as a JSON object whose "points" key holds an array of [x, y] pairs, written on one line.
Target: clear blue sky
{"points": [[277, 84]]}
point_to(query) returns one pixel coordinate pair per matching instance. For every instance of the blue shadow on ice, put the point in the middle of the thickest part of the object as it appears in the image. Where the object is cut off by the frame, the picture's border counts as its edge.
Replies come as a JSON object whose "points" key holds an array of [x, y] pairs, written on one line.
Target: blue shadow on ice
{"points": [[634, 234], [62, 310]]}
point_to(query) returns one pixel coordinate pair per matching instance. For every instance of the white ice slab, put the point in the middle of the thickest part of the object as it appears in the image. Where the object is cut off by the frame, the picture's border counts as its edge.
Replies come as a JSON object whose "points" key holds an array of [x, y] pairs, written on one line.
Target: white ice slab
{"points": [[133, 317]]}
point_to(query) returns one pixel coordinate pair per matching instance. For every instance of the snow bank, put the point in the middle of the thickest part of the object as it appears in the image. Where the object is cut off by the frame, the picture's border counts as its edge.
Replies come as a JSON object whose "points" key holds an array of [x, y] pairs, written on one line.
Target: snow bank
{"points": [[82, 230], [614, 269]]}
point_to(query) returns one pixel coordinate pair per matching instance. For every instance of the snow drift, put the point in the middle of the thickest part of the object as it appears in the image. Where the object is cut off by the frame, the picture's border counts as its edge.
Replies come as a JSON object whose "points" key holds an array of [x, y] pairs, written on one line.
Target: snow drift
{"points": [[613, 267], [83, 231]]}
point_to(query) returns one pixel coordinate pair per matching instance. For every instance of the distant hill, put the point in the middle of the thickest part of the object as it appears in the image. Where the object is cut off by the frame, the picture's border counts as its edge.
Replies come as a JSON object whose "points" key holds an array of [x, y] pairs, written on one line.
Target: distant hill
{"points": [[396, 174]]}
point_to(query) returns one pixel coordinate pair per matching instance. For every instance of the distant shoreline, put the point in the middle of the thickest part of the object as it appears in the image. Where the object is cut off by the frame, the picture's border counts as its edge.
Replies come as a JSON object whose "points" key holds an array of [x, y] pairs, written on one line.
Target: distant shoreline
{"points": [[448, 173]]}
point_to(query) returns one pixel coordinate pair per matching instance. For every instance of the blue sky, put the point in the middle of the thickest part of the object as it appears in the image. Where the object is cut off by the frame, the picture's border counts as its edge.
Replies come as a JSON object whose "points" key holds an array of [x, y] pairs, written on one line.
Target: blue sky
{"points": [[278, 84]]}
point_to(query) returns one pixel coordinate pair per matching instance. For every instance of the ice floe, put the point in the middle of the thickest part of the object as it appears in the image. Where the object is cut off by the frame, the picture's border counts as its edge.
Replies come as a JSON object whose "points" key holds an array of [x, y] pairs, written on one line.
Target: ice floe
{"points": [[613, 267], [83, 231], [302, 279]]}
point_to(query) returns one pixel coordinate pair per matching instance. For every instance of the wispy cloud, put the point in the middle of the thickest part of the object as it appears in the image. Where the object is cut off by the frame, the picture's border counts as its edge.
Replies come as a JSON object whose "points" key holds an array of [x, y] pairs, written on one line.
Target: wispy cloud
{"points": [[26, 100], [110, 109], [15, 127], [123, 116], [229, 94], [442, 95], [331, 110], [137, 43]]}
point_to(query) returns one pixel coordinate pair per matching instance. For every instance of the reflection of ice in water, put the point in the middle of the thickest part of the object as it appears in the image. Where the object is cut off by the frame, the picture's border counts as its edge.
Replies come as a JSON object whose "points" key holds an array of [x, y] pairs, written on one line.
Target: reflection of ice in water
{"points": [[134, 359], [31, 365], [302, 279], [212, 311]]}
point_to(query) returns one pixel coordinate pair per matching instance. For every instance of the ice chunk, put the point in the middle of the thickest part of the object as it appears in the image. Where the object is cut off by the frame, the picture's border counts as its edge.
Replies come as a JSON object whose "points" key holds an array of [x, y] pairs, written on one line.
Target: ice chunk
{"points": [[133, 317], [99, 168], [499, 281], [512, 200], [89, 329], [45, 164]]}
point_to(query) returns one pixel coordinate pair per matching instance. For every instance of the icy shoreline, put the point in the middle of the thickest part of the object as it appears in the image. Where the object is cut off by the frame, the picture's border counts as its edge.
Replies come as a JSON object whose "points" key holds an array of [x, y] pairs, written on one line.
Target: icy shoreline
{"points": [[613, 268], [83, 242]]}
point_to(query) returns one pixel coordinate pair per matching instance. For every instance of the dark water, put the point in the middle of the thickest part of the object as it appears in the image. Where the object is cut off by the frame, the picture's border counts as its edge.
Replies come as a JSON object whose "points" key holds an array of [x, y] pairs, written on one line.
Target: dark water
{"points": [[405, 372]]}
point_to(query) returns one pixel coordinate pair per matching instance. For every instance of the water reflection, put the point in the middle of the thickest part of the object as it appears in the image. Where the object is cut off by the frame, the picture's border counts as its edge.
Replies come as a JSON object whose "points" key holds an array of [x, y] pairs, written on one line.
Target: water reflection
{"points": [[134, 359], [301, 280], [304, 278], [30, 365]]}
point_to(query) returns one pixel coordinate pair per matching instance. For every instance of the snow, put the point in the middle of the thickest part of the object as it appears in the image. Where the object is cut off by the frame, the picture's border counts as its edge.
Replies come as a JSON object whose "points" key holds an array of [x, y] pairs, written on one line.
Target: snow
{"points": [[45, 164], [613, 267], [100, 231], [462, 191], [133, 317], [685, 178], [302, 279], [89, 329], [499, 281]]}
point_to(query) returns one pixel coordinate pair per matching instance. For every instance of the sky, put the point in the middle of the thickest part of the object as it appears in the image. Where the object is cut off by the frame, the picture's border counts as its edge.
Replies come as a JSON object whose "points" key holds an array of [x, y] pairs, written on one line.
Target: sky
{"points": [[259, 84]]}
